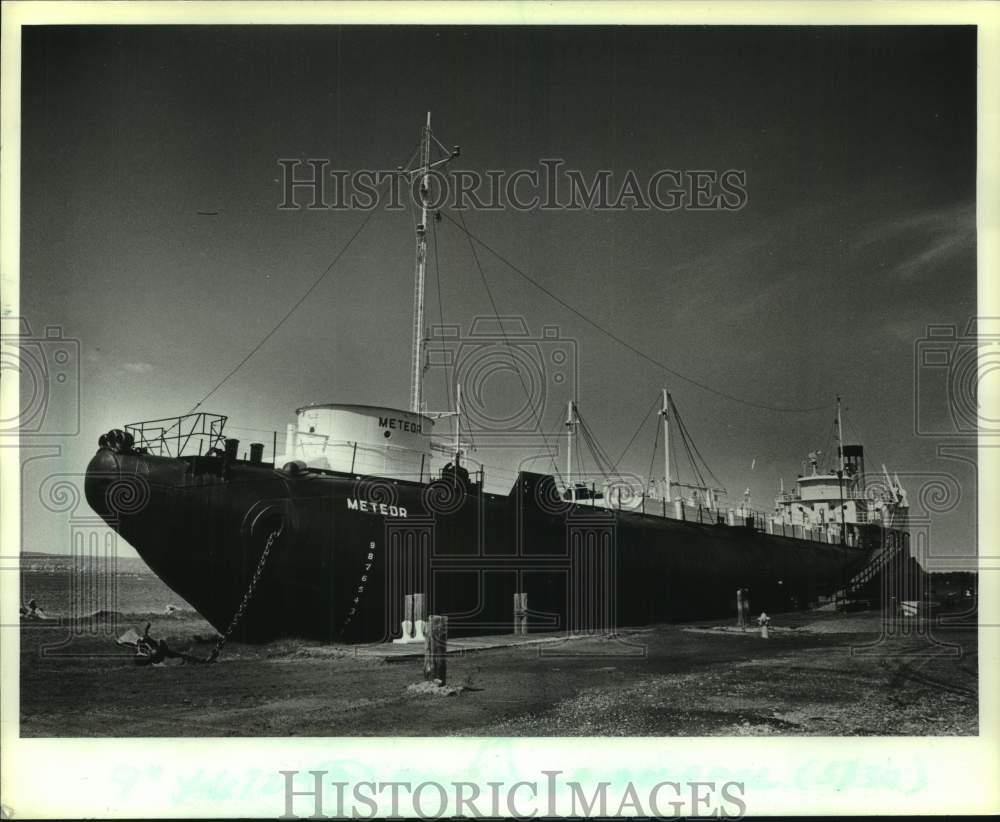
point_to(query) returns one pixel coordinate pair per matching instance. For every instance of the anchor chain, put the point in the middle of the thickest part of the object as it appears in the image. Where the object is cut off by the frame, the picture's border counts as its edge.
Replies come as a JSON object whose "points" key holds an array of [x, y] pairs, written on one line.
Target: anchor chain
{"points": [[246, 597]]}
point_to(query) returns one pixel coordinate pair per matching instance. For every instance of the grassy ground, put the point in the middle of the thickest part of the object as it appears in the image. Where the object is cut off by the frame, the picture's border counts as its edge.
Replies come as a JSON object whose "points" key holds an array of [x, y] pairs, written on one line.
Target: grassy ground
{"points": [[671, 680]]}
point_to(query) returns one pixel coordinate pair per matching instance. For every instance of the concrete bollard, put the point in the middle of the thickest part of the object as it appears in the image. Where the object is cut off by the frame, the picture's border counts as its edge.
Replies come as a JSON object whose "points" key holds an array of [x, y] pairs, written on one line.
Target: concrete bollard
{"points": [[520, 614], [436, 650], [407, 624], [412, 626], [419, 625]]}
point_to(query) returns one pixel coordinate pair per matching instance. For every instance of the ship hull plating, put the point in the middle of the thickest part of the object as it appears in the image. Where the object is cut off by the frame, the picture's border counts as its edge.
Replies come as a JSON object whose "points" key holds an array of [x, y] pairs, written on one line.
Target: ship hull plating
{"points": [[346, 551]]}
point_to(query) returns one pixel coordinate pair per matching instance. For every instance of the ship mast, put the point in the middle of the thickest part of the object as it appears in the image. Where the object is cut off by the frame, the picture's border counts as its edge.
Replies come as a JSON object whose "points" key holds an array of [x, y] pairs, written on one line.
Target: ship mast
{"points": [[423, 171], [665, 413], [840, 476], [570, 424], [458, 423], [840, 436], [417, 355]]}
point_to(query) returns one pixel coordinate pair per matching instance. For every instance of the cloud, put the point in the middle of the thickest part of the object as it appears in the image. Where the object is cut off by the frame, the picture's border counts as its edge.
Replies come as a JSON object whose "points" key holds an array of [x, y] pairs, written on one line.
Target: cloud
{"points": [[923, 243], [137, 367]]}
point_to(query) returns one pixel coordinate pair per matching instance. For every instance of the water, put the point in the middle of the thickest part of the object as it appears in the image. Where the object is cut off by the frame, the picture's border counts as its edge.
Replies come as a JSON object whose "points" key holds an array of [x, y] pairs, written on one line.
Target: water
{"points": [[63, 588]]}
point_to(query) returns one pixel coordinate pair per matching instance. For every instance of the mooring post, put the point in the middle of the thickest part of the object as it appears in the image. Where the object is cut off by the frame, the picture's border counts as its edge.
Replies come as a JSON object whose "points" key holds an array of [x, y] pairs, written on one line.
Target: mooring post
{"points": [[742, 608], [520, 614], [436, 649], [418, 617], [408, 616]]}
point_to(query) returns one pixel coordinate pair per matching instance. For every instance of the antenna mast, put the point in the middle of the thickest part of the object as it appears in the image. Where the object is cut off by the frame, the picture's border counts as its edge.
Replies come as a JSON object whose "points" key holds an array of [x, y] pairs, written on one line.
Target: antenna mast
{"points": [[458, 422], [665, 413], [570, 425], [423, 171], [840, 436]]}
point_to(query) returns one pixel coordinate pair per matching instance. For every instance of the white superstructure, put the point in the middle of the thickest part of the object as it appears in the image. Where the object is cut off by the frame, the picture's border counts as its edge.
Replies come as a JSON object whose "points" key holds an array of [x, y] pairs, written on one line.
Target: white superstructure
{"points": [[361, 439]]}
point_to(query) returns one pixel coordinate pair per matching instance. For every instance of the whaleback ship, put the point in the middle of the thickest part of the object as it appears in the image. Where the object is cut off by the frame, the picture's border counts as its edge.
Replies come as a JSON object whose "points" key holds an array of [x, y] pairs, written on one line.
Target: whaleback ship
{"points": [[363, 510]]}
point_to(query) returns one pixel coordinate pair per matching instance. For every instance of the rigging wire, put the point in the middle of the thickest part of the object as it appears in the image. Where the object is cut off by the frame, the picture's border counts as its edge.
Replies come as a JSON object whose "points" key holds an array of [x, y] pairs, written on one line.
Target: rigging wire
{"points": [[288, 313], [295, 306], [624, 343], [652, 459], [636, 433], [829, 454], [687, 437], [468, 427], [601, 457], [699, 477], [503, 334], [674, 468], [595, 450], [610, 467], [579, 465], [448, 372]]}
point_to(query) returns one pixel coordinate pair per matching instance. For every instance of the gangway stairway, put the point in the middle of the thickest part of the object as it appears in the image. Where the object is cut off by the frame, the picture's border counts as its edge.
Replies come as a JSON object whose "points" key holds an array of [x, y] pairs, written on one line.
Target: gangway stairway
{"points": [[892, 572]]}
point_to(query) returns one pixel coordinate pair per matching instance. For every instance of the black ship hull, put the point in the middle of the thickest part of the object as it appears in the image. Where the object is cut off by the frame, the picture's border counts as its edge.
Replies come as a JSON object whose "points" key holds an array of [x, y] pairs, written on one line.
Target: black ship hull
{"points": [[346, 550]]}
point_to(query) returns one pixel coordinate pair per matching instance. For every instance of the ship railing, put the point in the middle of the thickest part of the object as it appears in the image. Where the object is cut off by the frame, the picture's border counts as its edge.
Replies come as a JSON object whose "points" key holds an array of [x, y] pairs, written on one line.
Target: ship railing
{"points": [[353, 457], [794, 496], [179, 436], [742, 517]]}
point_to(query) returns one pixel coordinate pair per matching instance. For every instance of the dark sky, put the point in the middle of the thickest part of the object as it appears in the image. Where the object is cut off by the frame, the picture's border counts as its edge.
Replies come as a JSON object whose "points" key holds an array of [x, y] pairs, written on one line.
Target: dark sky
{"points": [[859, 147]]}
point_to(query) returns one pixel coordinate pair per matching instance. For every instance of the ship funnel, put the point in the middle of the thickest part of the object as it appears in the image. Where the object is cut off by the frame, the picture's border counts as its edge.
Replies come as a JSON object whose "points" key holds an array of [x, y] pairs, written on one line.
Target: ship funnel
{"points": [[854, 465], [256, 452], [232, 447]]}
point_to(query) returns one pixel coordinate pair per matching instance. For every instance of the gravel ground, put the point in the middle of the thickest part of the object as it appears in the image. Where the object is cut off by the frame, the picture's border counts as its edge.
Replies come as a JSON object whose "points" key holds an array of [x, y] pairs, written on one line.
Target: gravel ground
{"points": [[818, 674]]}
